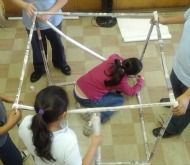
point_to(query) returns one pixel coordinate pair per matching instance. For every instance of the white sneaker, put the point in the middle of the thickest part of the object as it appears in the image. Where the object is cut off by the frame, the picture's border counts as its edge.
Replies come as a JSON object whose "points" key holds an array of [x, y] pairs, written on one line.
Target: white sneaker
{"points": [[86, 116], [88, 128]]}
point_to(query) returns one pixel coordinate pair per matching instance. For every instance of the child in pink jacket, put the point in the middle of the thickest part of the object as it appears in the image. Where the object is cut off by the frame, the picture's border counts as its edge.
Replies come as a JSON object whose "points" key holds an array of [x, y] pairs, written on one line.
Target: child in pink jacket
{"points": [[102, 86]]}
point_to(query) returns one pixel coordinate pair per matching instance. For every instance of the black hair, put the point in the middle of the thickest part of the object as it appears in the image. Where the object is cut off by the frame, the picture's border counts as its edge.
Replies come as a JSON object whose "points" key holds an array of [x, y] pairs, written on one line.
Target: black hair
{"points": [[130, 66], [50, 103]]}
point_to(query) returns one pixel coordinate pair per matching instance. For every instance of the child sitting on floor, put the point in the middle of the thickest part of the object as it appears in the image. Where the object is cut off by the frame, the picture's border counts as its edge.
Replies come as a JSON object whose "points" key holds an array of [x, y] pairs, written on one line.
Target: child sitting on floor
{"points": [[102, 86]]}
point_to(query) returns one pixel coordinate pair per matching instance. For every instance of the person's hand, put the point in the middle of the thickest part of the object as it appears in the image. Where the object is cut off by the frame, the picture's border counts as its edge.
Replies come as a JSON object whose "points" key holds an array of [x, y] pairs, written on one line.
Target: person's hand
{"points": [[44, 18], [183, 102], [30, 9], [13, 118]]}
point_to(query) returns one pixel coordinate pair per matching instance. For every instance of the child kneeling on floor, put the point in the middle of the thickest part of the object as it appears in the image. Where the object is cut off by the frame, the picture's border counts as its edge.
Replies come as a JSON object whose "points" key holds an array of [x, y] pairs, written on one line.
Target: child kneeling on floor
{"points": [[102, 86]]}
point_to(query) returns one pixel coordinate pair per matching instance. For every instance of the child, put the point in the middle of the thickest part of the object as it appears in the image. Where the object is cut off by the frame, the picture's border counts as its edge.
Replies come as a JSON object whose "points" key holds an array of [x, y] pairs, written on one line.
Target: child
{"points": [[29, 8], [46, 134], [9, 154], [102, 86]]}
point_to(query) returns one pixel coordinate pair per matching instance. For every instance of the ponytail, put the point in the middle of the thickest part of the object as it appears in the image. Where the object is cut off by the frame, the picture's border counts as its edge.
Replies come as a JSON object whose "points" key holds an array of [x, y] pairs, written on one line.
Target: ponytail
{"points": [[50, 104], [41, 138], [130, 66], [117, 74]]}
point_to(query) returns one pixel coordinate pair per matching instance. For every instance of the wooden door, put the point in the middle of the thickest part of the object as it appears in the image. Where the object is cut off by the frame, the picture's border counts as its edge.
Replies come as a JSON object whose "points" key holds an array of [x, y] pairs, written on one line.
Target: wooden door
{"points": [[133, 4], [170, 3], [89, 5]]}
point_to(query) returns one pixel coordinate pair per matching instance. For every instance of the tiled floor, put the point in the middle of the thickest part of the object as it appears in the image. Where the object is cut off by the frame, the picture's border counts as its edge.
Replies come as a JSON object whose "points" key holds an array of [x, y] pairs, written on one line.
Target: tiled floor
{"points": [[123, 140]]}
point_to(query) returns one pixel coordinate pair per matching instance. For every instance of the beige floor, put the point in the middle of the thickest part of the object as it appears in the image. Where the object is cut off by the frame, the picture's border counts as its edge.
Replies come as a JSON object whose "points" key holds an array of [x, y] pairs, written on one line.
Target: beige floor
{"points": [[123, 140]]}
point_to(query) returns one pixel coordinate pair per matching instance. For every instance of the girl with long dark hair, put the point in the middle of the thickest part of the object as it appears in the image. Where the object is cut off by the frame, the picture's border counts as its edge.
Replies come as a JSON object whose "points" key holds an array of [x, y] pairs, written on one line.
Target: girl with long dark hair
{"points": [[102, 86], [46, 134]]}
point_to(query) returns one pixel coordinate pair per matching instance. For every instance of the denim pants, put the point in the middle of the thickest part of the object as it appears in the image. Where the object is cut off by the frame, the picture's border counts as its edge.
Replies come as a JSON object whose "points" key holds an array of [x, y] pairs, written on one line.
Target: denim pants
{"points": [[178, 123], [58, 52], [109, 100], [9, 154]]}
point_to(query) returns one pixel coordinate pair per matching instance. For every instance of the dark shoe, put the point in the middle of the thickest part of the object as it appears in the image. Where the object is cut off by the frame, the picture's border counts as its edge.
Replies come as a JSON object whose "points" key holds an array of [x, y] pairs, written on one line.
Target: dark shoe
{"points": [[162, 100], [156, 133], [66, 70], [35, 76]]}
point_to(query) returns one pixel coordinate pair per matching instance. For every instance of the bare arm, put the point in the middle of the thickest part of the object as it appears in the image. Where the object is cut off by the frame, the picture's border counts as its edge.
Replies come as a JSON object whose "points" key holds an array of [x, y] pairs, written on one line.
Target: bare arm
{"points": [[58, 5], [89, 157], [29, 7], [6, 99], [13, 118]]}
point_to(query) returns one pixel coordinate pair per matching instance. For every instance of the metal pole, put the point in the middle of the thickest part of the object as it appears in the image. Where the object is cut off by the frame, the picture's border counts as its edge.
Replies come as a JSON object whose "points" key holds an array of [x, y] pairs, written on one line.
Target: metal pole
{"points": [[146, 42], [43, 55], [141, 114], [75, 42], [168, 83], [102, 109], [134, 162], [25, 62], [94, 14]]}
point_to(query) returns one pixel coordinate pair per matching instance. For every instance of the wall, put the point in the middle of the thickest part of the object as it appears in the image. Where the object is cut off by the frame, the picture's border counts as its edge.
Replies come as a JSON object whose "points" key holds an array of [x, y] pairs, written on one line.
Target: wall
{"points": [[149, 4], [95, 5]]}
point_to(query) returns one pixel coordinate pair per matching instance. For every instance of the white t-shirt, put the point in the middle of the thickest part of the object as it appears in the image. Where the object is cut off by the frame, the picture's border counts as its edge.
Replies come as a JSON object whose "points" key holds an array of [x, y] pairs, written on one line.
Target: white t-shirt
{"points": [[65, 148]]}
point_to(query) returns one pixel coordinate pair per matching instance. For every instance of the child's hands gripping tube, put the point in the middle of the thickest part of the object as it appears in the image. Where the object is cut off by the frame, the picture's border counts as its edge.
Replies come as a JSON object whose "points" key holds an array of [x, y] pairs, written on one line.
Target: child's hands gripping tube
{"points": [[182, 106], [173, 100], [15, 106], [175, 104]]}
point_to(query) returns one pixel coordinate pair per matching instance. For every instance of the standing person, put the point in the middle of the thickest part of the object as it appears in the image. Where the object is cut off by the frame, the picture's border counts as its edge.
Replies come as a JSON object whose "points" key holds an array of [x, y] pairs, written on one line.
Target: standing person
{"points": [[46, 134], [9, 154], [180, 78], [29, 8], [102, 86]]}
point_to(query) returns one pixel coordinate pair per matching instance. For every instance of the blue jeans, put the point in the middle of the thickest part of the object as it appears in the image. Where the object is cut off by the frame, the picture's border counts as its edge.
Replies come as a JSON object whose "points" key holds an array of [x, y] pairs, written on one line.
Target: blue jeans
{"points": [[9, 154], [178, 123], [109, 100]]}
